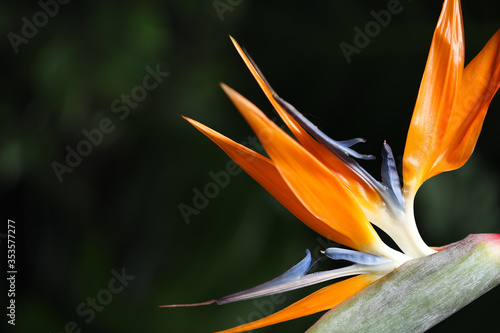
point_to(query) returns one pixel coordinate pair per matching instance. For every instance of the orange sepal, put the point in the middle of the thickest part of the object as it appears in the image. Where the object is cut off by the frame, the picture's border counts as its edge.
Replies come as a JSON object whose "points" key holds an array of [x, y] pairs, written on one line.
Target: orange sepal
{"points": [[323, 299], [480, 82], [364, 194], [319, 190], [436, 97], [265, 173]]}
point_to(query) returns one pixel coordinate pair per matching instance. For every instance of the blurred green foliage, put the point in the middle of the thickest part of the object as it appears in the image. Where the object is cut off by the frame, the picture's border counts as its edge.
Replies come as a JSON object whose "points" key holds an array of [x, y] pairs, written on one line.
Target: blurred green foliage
{"points": [[119, 208]]}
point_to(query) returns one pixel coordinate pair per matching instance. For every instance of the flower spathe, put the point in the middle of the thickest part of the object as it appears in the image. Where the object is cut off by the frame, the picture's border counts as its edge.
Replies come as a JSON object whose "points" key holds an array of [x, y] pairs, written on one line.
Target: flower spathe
{"points": [[320, 182]]}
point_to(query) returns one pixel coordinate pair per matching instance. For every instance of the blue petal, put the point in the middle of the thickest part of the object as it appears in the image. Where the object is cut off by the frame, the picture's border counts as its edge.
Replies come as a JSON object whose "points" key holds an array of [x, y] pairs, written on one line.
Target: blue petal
{"points": [[390, 177], [293, 274], [336, 146], [309, 126], [355, 256], [351, 142]]}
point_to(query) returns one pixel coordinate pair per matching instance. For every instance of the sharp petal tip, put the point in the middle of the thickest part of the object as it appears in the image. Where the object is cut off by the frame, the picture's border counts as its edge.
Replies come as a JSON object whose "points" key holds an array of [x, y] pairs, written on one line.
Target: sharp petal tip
{"points": [[235, 43], [224, 86], [212, 301]]}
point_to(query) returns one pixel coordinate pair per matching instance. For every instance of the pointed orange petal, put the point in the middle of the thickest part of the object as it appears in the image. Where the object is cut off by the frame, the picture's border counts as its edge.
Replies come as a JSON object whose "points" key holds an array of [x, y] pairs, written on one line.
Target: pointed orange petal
{"points": [[323, 299], [265, 173], [289, 121], [480, 82], [319, 190], [436, 97], [364, 194]]}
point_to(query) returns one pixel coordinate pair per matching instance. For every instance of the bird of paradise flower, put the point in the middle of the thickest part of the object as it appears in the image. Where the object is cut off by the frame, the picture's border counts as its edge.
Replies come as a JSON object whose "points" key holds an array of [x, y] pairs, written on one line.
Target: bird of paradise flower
{"points": [[319, 180]]}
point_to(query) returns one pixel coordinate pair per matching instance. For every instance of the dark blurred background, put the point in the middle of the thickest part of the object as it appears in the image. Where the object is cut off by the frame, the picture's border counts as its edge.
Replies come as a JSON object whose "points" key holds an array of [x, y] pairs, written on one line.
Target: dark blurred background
{"points": [[117, 210]]}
